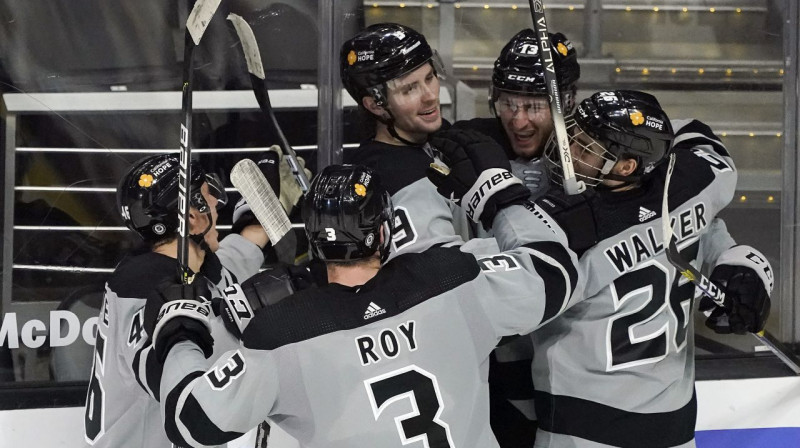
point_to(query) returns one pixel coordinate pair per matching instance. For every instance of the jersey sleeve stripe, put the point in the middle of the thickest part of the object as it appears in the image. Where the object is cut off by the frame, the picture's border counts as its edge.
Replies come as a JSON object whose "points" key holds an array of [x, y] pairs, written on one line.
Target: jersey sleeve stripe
{"points": [[172, 424], [554, 265]]}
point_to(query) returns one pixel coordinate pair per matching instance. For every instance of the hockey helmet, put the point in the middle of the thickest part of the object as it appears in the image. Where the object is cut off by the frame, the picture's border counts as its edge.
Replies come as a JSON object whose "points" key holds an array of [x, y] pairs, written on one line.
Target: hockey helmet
{"points": [[147, 195], [519, 68], [379, 54], [343, 212], [616, 125]]}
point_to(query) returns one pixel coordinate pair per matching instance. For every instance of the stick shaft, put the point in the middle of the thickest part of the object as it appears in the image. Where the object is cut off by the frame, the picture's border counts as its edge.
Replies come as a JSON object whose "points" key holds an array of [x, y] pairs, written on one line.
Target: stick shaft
{"points": [[571, 184]]}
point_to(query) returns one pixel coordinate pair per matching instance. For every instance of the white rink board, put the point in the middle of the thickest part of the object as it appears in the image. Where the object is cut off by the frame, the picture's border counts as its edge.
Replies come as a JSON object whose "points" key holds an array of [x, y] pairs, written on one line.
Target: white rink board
{"points": [[722, 405]]}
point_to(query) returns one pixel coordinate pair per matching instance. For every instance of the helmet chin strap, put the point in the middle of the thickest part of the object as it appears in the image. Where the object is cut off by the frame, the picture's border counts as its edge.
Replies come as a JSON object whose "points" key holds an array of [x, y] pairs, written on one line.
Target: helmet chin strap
{"points": [[389, 123], [200, 238]]}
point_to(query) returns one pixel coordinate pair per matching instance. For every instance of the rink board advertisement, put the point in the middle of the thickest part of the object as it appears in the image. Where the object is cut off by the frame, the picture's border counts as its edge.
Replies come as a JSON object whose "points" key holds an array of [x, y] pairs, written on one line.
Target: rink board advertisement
{"points": [[751, 413]]}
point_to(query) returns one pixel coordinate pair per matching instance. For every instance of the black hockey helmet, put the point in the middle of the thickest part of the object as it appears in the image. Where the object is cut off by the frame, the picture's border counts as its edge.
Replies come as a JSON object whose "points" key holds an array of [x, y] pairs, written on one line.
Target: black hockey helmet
{"points": [[381, 53], [617, 125], [519, 68], [343, 212], [147, 195]]}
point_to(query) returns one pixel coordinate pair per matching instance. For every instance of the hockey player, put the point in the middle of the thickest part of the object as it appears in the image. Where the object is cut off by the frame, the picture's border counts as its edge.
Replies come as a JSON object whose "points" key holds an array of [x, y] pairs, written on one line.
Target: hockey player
{"points": [[631, 335], [121, 407], [341, 365], [393, 75], [518, 99]]}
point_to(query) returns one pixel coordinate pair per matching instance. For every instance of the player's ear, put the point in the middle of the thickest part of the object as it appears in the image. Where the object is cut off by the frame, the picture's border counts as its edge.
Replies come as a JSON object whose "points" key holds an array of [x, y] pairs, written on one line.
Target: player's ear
{"points": [[625, 167], [197, 221], [369, 103]]}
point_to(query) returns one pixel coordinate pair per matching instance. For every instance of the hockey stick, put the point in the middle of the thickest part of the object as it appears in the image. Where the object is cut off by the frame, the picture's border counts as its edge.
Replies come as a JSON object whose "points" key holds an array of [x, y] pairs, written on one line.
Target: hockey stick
{"points": [[196, 25], [248, 178], [255, 189], [571, 184], [258, 79], [703, 283]]}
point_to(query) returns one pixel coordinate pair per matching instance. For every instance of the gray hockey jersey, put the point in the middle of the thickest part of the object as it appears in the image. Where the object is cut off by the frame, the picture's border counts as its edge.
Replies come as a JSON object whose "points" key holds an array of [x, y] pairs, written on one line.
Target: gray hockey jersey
{"points": [[121, 408], [617, 368], [423, 218], [400, 359]]}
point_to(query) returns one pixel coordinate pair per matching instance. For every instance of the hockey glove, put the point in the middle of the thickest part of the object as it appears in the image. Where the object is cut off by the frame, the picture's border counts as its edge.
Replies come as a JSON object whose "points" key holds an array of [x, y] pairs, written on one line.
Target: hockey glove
{"points": [[290, 189], [533, 175], [182, 315], [747, 279], [480, 178], [235, 310], [574, 213], [268, 163]]}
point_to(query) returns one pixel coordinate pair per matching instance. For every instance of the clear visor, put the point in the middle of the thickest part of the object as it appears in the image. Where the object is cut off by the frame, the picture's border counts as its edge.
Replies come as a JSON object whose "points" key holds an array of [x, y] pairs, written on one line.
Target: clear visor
{"points": [[534, 108], [590, 159], [418, 85]]}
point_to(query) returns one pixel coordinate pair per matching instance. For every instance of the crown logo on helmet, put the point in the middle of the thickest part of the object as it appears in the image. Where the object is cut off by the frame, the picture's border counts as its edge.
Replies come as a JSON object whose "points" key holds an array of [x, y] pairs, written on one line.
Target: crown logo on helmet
{"points": [[351, 57], [361, 190], [562, 48]]}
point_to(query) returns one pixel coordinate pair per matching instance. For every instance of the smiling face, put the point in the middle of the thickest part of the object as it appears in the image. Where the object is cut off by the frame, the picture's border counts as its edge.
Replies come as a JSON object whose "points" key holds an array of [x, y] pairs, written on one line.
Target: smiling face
{"points": [[527, 122], [413, 100]]}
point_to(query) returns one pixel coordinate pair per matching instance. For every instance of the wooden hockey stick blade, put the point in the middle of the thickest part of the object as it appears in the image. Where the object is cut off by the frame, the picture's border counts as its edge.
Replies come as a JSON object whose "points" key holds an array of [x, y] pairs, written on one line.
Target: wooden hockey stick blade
{"points": [[703, 283], [255, 67], [571, 184], [248, 178]]}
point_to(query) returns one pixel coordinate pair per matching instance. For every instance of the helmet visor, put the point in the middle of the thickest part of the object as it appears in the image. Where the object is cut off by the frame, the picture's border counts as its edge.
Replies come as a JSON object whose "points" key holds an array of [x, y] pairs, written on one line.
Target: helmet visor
{"points": [[533, 108]]}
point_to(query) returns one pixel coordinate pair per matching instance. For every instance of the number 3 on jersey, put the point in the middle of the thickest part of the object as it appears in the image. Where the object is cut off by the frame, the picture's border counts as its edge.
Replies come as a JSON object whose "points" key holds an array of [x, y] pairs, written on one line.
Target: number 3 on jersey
{"points": [[419, 386]]}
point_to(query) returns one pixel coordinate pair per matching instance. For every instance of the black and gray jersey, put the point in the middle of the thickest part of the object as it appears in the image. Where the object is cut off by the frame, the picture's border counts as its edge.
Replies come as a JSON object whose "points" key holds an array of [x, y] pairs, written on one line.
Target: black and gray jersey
{"points": [[423, 218], [121, 405], [617, 368], [400, 359]]}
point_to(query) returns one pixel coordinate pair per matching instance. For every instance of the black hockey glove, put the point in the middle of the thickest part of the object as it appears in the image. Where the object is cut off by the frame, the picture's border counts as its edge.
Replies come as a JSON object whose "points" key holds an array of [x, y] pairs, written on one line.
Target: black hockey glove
{"points": [[268, 287], [235, 310], [746, 277], [268, 163], [574, 213], [178, 312], [480, 178]]}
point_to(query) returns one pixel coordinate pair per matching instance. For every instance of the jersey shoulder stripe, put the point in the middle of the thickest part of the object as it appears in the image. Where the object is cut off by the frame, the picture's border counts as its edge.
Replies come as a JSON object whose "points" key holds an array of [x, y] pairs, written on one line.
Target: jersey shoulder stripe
{"points": [[398, 166], [402, 283]]}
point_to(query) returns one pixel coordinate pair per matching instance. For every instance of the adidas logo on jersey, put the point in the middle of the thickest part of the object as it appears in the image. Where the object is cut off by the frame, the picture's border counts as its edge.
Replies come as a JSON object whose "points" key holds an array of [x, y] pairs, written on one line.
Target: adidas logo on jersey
{"points": [[373, 310], [645, 214]]}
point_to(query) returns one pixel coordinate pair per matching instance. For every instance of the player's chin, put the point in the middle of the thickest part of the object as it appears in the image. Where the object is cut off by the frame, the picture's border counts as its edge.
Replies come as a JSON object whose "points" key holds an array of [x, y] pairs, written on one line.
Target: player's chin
{"points": [[528, 150], [429, 126]]}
